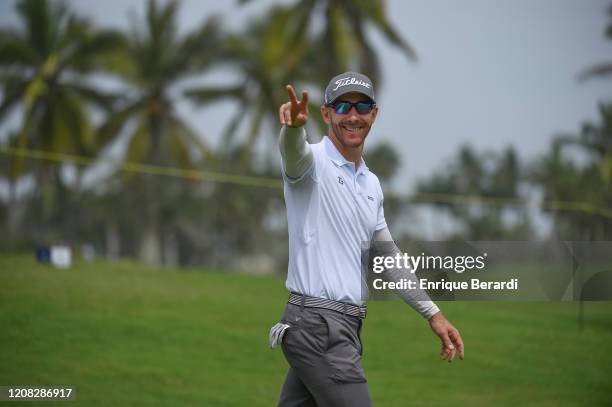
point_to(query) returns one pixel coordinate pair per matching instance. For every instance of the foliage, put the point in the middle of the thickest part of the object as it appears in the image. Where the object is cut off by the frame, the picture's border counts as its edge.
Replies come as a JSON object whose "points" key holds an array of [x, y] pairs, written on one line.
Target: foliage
{"points": [[42, 69], [492, 179], [284, 46], [54, 69], [152, 62], [602, 69], [563, 178]]}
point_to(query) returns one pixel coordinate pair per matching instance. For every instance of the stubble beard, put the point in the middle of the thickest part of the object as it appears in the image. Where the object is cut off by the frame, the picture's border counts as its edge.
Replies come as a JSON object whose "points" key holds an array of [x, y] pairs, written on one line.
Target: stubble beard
{"points": [[349, 144]]}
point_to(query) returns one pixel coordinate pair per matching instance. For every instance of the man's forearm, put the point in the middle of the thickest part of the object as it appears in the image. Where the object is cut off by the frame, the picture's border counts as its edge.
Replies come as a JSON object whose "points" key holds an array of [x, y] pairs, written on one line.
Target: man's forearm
{"points": [[416, 298], [295, 151]]}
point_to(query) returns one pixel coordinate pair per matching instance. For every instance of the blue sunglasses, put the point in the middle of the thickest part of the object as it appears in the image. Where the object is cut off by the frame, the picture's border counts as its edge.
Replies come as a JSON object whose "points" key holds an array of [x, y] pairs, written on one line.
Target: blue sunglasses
{"points": [[345, 107]]}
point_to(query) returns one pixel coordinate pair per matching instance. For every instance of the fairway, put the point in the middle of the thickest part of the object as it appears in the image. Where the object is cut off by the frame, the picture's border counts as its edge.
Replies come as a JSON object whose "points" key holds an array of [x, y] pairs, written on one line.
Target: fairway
{"points": [[127, 335]]}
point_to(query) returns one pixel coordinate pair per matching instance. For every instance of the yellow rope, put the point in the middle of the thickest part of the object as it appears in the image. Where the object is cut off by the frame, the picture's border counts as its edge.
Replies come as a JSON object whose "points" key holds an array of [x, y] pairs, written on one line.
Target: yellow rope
{"points": [[237, 179], [275, 183], [486, 200]]}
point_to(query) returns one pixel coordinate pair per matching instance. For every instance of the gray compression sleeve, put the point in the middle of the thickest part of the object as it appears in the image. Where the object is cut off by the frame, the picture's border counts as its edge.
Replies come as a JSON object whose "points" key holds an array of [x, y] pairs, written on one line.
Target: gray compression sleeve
{"points": [[295, 151], [417, 299]]}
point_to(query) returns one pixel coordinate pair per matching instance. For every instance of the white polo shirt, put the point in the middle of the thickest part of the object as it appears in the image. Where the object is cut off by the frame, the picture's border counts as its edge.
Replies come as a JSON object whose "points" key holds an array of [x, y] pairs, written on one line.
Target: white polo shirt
{"points": [[331, 210]]}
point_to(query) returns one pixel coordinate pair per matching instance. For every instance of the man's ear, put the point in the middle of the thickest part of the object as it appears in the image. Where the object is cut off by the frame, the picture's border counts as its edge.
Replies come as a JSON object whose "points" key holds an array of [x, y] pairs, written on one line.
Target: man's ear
{"points": [[374, 113], [325, 114]]}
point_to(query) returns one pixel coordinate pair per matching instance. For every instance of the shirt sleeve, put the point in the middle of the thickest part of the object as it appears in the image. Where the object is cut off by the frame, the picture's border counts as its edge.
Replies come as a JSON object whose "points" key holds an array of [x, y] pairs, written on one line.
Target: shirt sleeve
{"points": [[381, 223], [417, 298], [296, 154]]}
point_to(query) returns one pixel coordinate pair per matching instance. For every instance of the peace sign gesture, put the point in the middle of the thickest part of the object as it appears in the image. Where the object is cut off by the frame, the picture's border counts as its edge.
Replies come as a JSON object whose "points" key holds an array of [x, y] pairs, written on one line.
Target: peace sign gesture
{"points": [[294, 113]]}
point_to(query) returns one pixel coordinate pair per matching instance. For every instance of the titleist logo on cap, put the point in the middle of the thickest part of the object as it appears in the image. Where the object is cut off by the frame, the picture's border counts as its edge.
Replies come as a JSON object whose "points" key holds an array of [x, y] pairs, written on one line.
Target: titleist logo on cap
{"points": [[350, 81]]}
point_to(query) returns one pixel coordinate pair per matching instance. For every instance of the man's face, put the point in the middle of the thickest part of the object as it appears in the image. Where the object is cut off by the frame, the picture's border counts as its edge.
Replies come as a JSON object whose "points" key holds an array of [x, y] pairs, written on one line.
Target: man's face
{"points": [[349, 129]]}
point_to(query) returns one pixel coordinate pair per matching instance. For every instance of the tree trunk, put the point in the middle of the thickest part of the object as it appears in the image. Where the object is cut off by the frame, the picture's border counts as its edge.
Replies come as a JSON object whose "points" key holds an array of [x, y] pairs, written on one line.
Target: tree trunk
{"points": [[150, 246], [113, 241], [150, 240], [171, 256], [14, 215], [73, 206]]}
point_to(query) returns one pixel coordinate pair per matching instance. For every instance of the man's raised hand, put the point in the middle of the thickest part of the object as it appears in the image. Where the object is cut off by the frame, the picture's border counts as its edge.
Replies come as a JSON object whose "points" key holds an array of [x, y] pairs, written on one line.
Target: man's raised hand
{"points": [[294, 113]]}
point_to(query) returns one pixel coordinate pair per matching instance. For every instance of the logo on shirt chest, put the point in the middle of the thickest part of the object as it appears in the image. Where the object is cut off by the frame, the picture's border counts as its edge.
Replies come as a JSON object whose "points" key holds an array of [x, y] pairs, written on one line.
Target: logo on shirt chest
{"points": [[341, 182]]}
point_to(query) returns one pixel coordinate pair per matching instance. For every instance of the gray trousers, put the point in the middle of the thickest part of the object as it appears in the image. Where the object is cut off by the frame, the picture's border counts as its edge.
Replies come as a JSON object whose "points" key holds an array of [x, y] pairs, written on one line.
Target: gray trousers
{"points": [[323, 349]]}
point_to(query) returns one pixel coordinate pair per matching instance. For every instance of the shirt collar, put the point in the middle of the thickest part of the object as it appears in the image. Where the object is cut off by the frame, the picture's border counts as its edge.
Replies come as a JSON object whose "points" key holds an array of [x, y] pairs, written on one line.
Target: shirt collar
{"points": [[338, 159]]}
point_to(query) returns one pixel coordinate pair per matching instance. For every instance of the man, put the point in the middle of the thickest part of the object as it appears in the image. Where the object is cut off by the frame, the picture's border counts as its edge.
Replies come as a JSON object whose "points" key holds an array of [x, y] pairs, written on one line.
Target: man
{"points": [[334, 203]]}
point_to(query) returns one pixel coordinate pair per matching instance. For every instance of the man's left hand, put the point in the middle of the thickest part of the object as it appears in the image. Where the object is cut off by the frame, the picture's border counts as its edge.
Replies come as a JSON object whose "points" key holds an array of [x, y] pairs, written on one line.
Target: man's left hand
{"points": [[449, 335]]}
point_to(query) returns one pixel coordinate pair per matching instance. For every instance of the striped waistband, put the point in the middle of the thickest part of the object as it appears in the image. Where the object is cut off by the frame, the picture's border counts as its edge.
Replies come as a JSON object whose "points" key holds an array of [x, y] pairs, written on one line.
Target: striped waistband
{"points": [[315, 302]]}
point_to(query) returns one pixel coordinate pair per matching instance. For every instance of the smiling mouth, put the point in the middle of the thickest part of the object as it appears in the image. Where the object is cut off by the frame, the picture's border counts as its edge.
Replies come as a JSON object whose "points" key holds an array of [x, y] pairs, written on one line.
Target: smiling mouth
{"points": [[352, 128]]}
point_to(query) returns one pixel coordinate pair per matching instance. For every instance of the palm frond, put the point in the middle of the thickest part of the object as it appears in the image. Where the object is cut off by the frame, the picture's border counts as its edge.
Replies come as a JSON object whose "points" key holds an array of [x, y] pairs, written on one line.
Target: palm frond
{"points": [[191, 139], [204, 96], [15, 51], [139, 144], [101, 99], [43, 21], [12, 93], [599, 70], [375, 10], [116, 121], [200, 48], [91, 50]]}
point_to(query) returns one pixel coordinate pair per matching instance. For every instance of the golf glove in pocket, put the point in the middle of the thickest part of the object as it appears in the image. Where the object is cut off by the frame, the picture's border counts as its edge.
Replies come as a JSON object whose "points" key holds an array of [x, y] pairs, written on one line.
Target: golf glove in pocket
{"points": [[276, 334]]}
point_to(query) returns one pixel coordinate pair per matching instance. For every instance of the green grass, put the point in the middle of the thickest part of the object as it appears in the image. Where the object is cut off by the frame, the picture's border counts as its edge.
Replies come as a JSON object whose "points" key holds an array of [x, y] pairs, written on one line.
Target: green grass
{"points": [[127, 335]]}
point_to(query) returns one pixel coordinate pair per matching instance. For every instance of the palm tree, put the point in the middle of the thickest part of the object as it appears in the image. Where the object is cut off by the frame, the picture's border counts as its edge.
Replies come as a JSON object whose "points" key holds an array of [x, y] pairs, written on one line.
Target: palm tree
{"points": [[560, 181], [14, 211], [590, 182], [492, 179], [602, 69], [342, 44], [267, 55], [154, 62], [596, 141], [44, 71], [282, 48]]}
